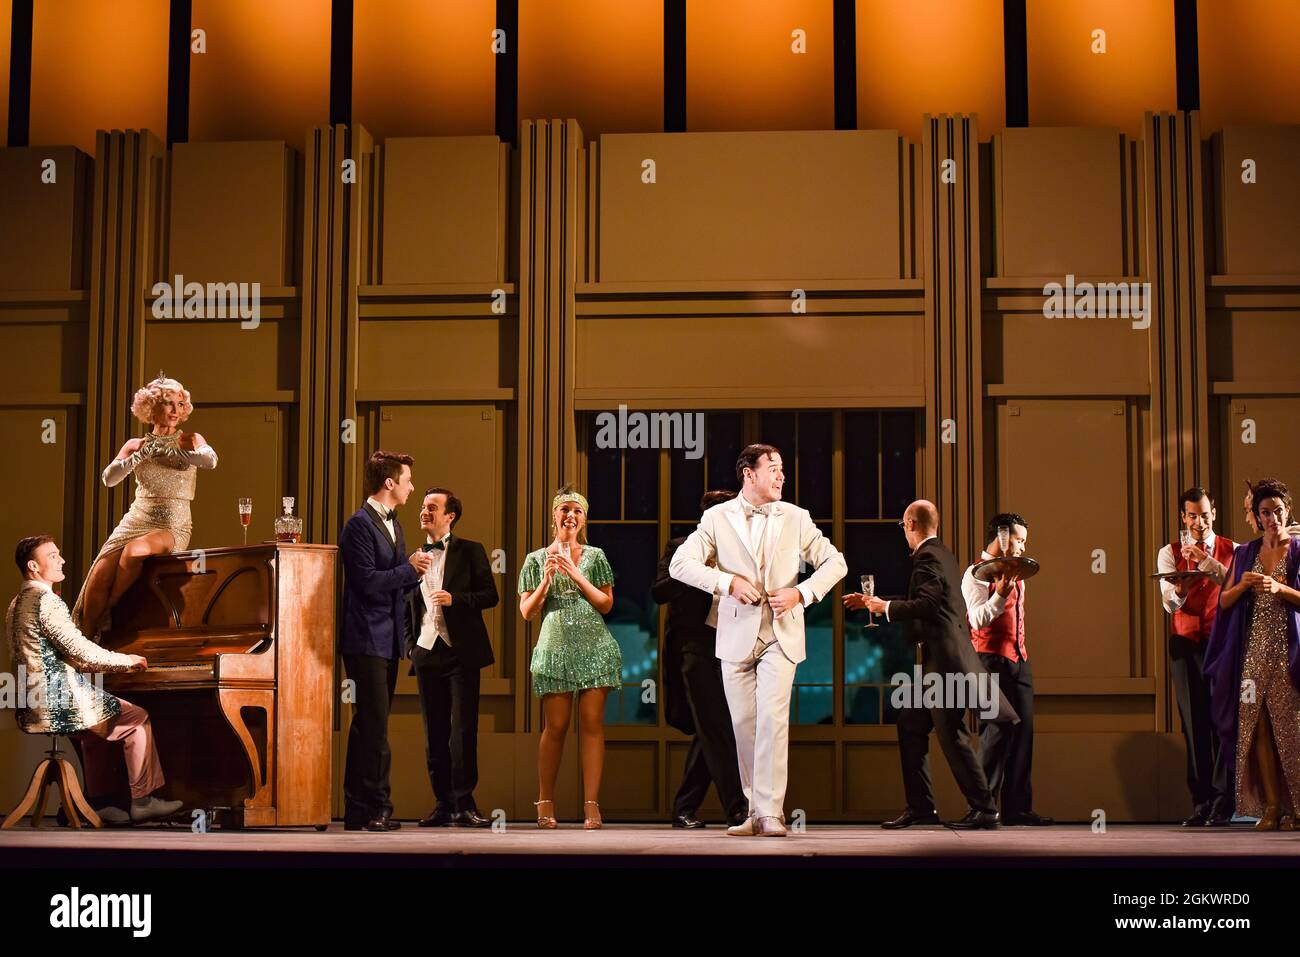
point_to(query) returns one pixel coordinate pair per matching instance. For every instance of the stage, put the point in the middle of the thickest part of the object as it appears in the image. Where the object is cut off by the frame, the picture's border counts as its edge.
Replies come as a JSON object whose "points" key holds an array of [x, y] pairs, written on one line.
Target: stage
{"points": [[521, 844]]}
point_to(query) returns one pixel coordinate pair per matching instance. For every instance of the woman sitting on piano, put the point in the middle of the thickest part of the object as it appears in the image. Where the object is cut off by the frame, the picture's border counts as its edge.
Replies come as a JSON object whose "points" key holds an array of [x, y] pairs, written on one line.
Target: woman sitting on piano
{"points": [[165, 464]]}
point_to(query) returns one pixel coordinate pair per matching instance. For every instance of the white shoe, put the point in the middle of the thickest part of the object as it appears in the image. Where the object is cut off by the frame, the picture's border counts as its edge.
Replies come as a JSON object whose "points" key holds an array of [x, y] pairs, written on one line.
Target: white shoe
{"points": [[114, 816], [743, 829], [151, 808], [770, 827]]}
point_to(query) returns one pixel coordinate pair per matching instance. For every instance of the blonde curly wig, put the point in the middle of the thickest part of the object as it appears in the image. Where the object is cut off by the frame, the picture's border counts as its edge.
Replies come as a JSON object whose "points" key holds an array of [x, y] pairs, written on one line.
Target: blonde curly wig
{"points": [[147, 399]]}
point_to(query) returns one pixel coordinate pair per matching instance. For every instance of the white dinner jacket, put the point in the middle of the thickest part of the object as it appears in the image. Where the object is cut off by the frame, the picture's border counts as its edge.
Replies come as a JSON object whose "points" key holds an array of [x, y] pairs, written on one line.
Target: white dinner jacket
{"points": [[791, 537]]}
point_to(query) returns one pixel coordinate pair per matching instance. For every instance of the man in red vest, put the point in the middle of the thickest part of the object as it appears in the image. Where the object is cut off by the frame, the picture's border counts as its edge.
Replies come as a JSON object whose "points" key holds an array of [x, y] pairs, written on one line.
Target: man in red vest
{"points": [[996, 611], [1191, 605]]}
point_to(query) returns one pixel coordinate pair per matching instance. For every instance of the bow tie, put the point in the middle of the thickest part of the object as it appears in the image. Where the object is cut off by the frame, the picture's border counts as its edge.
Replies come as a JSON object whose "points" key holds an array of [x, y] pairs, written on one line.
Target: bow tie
{"points": [[760, 509], [430, 546]]}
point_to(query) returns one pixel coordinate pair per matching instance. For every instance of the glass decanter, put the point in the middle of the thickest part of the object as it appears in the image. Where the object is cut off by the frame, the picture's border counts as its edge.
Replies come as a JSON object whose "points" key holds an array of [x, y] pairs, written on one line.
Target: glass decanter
{"points": [[288, 527]]}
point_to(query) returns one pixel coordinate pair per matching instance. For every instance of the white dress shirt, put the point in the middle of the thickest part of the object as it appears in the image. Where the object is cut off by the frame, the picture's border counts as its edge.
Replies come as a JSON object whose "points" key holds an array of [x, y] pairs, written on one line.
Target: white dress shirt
{"points": [[983, 604], [1165, 563], [434, 624], [914, 551], [385, 511]]}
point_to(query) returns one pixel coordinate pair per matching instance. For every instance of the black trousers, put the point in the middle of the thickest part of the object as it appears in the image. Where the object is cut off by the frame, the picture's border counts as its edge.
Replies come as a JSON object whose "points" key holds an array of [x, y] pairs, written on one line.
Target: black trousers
{"points": [[712, 754], [366, 791], [1007, 750], [1207, 775], [914, 726], [449, 694]]}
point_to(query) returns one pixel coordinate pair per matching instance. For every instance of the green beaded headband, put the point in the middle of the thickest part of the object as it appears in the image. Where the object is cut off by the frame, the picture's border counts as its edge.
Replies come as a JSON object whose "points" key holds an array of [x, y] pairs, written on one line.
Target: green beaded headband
{"points": [[569, 497]]}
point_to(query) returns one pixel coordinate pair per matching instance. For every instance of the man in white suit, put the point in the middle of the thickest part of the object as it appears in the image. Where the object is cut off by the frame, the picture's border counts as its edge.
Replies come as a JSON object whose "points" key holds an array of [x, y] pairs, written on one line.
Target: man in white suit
{"points": [[749, 551]]}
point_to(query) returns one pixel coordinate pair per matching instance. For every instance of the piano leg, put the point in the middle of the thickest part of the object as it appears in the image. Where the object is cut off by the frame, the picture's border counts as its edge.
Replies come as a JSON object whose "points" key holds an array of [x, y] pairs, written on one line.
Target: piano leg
{"points": [[259, 809]]}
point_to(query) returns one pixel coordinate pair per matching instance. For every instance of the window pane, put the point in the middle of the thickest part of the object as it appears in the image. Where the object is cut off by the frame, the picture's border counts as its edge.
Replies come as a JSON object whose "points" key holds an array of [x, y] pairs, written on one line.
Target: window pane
{"points": [[813, 705], [862, 704], [686, 481], [861, 477], [781, 429], [641, 484], [604, 468], [898, 432], [634, 620], [725, 440], [815, 463], [872, 656]]}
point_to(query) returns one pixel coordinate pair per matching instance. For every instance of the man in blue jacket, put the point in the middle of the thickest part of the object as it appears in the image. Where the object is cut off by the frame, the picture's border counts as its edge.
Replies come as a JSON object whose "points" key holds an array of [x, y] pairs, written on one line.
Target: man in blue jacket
{"points": [[377, 575]]}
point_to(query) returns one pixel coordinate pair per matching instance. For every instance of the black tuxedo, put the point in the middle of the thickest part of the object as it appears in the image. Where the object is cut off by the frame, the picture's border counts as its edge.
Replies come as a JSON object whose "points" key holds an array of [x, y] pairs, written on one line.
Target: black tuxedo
{"points": [[936, 614], [448, 677], [694, 699]]}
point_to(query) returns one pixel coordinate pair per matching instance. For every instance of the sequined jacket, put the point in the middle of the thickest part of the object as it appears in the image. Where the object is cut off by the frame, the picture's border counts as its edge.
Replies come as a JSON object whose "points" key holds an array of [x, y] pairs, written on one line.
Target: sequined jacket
{"points": [[47, 652]]}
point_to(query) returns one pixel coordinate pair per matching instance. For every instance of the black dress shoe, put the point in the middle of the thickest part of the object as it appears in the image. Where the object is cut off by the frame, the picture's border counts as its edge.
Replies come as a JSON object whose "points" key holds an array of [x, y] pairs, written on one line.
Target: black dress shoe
{"points": [[910, 817], [1027, 819], [1219, 818], [439, 817], [470, 818], [690, 820], [382, 822], [1198, 818], [977, 820]]}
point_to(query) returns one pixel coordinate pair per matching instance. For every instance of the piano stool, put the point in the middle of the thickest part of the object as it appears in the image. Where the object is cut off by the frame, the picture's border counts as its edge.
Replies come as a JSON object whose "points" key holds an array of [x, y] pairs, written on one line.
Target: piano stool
{"points": [[54, 769]]}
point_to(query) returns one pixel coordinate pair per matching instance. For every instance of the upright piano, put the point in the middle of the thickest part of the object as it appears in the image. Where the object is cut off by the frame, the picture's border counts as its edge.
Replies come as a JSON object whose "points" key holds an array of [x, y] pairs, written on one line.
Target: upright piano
{"points": [[240, 685]]}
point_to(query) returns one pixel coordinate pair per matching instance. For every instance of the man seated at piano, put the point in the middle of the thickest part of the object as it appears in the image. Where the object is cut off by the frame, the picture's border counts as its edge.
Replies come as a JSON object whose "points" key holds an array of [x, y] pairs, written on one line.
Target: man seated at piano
{"points": [[62, 699]]}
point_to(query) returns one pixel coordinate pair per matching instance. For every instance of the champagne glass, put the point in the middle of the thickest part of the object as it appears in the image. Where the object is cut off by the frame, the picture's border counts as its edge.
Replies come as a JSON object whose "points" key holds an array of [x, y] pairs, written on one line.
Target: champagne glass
{"points": [[869, 590], [569, 590], [245, 515], [1187, 541], [1004, 540]]}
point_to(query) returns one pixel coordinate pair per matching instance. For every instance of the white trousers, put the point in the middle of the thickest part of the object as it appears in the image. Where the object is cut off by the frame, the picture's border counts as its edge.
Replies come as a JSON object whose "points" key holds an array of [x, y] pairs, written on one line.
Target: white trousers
{"points": [[758, 696]]}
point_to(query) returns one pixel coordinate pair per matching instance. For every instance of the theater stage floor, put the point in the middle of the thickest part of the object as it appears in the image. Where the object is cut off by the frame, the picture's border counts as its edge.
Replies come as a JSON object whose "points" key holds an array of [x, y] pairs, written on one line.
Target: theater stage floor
{"points": [[523, 845]]}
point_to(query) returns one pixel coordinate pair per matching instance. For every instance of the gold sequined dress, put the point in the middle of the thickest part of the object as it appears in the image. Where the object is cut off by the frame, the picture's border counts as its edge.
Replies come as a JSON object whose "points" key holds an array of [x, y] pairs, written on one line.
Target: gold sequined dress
{"points": [[164, 488], [1265, 667]]}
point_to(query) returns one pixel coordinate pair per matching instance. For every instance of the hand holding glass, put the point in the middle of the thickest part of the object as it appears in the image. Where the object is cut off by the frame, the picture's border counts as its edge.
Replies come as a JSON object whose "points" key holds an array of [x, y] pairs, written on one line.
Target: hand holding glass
{"points": [[869, 591]]}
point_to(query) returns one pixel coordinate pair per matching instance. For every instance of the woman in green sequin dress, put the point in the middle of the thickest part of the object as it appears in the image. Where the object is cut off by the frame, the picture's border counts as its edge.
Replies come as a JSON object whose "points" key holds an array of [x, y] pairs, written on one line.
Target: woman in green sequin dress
{"points": [[570, 584]]}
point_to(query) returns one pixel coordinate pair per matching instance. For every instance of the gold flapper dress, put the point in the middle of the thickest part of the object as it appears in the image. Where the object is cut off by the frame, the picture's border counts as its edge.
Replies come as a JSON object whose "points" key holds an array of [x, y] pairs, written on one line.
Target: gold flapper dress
{"points": [[1264, 672], [164, 488]]}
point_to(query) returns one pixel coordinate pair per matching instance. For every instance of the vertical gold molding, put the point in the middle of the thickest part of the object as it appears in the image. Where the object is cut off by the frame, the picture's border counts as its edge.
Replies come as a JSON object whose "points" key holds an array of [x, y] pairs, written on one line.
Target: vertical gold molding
{"points": [[953, 475], [335, 231], [1173, 261], [127, 172], [549, 163]]}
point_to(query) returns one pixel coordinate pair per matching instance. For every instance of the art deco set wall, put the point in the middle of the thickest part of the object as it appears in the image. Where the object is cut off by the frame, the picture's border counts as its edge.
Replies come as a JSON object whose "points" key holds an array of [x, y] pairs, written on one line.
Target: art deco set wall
{"points": [[466, 301]]}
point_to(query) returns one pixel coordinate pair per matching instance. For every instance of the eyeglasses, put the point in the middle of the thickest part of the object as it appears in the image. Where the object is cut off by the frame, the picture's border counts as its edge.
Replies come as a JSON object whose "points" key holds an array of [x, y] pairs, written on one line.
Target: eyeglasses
{"points": [[903, 524]]}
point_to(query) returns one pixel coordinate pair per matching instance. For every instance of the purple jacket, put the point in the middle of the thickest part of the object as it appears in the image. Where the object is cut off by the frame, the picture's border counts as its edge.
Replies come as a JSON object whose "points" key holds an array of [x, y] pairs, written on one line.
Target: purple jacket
{"points": [[1226, 650]]}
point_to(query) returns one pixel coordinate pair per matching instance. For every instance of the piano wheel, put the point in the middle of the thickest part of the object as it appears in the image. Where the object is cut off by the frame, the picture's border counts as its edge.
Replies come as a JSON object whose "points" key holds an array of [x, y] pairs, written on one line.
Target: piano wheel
{"points": [[322, 827]]}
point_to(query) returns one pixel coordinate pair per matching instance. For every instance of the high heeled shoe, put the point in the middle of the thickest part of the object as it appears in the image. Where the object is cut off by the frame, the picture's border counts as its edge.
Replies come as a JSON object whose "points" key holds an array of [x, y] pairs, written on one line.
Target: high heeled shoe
{"points": [[543, 820], [1268, 821], [1287, 823], [592, 823]]}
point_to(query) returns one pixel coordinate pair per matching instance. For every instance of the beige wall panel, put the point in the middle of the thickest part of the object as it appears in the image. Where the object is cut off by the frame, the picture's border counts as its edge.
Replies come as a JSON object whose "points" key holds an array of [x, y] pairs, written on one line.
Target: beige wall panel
{"points": [[1061, 203], [49, 218], [873, 781], [435, 354], [250, 445], [1071, 511], [1033, 349], [1116, 773], [441, 221], [42, 357], [710, 808], [793, 351], [792, 205], [216, 355], [42, 513], [812, 780], [231, 213], [1244, 345], [630, 782], [1274, 453], [1259, 220]]}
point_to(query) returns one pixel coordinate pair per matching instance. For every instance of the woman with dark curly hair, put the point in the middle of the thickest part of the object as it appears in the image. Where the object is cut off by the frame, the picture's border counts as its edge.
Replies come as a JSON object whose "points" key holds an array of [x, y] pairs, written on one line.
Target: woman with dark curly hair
{"points": [[1253, 660], [164, 462]]}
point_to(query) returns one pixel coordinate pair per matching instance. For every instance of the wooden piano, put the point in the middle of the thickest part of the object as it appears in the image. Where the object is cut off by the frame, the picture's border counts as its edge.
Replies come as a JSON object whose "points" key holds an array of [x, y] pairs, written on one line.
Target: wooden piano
{"points": [[240, 686]]}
